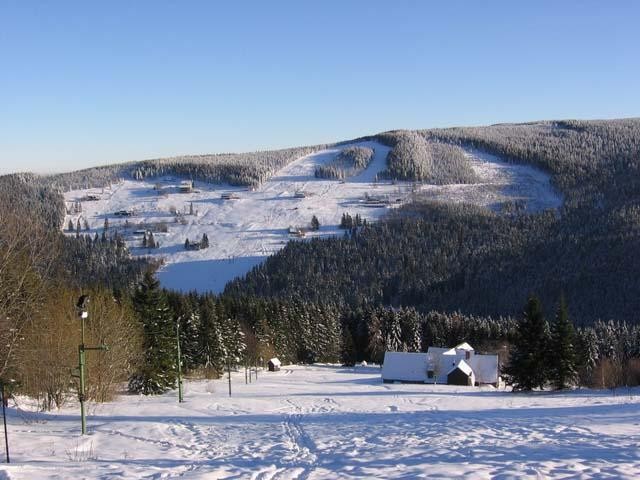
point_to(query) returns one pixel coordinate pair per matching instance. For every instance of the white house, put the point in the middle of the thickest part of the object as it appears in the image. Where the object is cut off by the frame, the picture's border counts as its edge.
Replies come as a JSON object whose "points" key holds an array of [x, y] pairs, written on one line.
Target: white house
{"points": [[459, 365]]}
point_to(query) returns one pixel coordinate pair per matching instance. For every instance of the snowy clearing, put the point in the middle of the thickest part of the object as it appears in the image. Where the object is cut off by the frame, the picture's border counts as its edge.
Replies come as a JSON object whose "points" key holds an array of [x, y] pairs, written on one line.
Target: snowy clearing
{"points": [[243, 231], [320, 421]]}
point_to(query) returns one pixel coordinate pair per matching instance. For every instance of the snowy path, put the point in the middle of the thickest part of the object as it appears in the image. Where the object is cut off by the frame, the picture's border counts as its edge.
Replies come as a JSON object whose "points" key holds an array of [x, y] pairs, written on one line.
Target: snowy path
{"points": [[243, 232], [328, 422]]}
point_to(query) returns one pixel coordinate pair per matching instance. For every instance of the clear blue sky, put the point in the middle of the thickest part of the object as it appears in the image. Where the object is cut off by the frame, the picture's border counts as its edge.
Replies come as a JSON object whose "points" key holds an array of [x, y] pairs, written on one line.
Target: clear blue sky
{"points": [[86, 83]]}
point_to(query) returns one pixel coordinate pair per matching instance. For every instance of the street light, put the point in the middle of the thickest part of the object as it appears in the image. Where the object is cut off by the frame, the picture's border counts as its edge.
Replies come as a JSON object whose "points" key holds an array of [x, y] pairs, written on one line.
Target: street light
{"points": [[4, 419], [82, 307], [179, 362]]}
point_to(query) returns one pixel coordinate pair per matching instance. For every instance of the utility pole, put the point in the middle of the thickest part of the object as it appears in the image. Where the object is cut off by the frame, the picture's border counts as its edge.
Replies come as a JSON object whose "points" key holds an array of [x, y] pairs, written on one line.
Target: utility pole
{"points": [[4, 420], [82, 306], [180, 398]]}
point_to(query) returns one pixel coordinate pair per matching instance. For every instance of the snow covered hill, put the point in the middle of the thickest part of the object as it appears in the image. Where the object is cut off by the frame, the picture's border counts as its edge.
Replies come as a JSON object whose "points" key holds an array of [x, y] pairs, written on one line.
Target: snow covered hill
{"points": [[328, 422], [248, 226]]}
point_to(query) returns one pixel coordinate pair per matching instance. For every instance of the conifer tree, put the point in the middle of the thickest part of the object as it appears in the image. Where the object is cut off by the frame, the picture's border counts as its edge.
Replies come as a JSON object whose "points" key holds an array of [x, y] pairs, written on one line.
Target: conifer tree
{"points": [[205, 241], [70, 227], [315, 223], [157, 372], [348, 353], [211, 351], [562, 355], [528, 366]]}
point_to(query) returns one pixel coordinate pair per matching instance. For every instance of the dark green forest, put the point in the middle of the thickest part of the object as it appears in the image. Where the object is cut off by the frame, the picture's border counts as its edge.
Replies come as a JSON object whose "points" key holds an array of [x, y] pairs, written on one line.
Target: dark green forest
{"points": [[434, 256]]}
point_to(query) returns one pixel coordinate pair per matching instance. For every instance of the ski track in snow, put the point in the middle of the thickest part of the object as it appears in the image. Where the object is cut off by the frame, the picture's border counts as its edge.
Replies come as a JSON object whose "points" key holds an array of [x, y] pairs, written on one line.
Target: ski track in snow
{"points": [[324, 421], [243, 232]]}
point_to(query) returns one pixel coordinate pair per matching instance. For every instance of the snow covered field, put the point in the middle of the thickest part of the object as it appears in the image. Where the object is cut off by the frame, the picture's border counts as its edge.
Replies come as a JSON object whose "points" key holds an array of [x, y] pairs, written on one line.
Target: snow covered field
{"points": [[244, 231], [328, 422]]}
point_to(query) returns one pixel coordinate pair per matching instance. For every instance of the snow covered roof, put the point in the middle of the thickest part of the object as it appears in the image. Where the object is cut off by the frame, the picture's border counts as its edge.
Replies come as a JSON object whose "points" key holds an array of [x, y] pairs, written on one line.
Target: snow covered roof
{"points": [[464, 346], [462, 365], [403, 366], [436, 350], [275, 362], [485, 367]]}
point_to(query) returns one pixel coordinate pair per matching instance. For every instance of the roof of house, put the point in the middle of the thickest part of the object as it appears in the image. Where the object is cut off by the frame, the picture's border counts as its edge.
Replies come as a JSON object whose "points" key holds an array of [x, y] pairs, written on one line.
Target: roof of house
{"points": [[275, 362], [462, 365], [485, 367], [464, 346], [404, 366]]}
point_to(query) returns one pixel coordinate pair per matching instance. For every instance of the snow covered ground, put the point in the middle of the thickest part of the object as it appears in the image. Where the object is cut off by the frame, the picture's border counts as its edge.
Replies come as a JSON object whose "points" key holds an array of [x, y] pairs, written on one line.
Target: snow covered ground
{"points": [[244, 231], [320, 421]]}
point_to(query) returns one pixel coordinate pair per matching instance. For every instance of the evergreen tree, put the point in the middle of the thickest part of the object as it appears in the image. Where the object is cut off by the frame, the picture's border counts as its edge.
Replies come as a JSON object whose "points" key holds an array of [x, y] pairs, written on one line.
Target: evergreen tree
{"points": [[105, 230], [527, 368], [348, 353], [315, 224], [157, 372], [191, 208], [187, 244], [70, 227], [205, 241], [212, 353], [562, 355]]}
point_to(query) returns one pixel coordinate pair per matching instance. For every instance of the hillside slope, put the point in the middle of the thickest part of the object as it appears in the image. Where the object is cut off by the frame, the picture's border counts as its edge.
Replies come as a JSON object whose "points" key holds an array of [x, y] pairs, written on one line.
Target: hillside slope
{"points": [[442, 257], [244, 231]]}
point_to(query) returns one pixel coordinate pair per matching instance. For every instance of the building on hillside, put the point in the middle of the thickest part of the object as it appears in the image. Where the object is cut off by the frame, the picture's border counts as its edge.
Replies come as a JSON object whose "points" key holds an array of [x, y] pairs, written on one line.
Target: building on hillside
{"points": [[459, 365], [186, 186], [274, 365]]}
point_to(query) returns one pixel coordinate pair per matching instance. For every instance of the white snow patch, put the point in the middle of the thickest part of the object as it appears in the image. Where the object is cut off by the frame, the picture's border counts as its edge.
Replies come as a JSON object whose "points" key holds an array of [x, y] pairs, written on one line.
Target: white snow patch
{"points": [[329, 422]]}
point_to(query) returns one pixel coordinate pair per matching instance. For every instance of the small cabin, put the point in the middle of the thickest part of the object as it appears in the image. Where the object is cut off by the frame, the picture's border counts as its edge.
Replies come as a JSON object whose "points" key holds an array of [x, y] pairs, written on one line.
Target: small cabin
{"points": [[461, 374], [186, 186], [274, 365]]}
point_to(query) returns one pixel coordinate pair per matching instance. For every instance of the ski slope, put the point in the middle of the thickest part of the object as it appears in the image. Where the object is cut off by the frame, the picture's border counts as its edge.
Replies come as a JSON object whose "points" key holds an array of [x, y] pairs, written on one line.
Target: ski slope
{"points": [[318, 422], [244, 231]]}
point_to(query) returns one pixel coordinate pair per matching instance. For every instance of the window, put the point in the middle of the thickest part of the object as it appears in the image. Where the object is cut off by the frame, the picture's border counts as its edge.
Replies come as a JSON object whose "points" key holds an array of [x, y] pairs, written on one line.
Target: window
{"points": [[429, 373]]}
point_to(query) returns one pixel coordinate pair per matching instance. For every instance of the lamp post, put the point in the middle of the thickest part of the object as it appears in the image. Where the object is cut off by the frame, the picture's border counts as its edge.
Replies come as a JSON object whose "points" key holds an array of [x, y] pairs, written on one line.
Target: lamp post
{"points": [[229, 373], [4, 420], [180, 397], [82, 306]]}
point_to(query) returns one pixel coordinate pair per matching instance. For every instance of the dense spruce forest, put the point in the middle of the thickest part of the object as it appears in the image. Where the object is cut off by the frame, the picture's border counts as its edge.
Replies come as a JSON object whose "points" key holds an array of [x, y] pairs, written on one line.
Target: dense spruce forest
{"points": [[415, 157], [428, 274], [241, 169], [459, 257]]}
